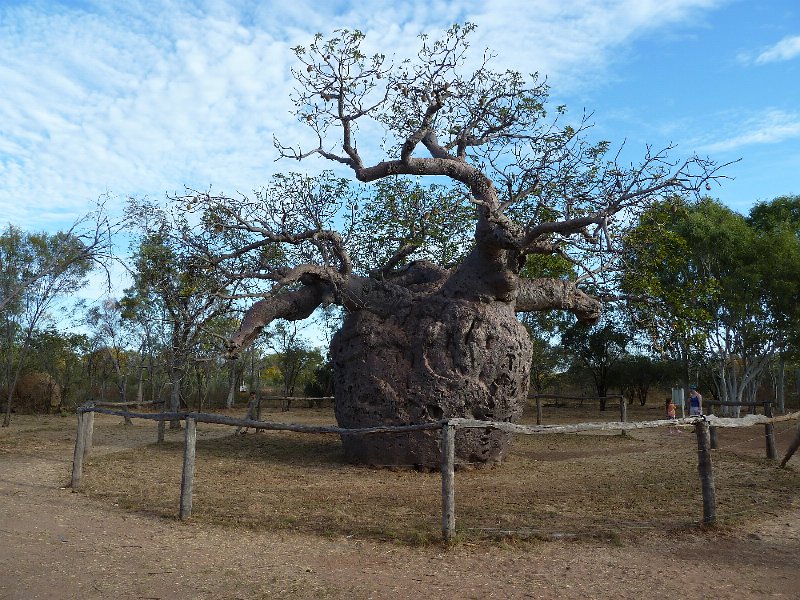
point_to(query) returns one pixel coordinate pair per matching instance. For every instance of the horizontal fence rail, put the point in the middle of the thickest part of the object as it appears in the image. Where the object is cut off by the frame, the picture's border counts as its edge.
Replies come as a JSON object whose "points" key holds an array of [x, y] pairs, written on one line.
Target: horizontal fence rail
{"points": [[701, 424], [623, 406], [126, 404]]}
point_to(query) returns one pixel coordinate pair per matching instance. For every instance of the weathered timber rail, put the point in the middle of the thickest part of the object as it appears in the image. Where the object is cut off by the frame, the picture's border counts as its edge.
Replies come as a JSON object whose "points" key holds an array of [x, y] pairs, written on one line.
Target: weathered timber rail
{"points": [[126, 404], [700, 424]]}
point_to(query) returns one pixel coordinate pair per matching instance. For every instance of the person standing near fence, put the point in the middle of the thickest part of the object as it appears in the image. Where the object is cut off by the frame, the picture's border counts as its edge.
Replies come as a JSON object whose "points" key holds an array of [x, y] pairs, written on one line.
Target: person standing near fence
{"points": [[669, 409], [695, 403]]}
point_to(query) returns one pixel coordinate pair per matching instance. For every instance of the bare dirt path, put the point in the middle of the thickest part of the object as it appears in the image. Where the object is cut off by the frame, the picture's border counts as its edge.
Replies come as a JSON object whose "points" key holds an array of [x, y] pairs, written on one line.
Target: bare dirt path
{"points": [[60, 545]]}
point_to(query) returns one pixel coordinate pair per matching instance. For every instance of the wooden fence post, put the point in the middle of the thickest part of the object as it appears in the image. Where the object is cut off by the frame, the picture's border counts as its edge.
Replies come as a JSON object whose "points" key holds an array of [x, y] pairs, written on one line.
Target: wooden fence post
{"points": [[769, 432], [538, 411], [77, 457], [706, 470], [187, 477], [448, 446], [792, 447], [160, 434], [623, 410], [88, 424]]}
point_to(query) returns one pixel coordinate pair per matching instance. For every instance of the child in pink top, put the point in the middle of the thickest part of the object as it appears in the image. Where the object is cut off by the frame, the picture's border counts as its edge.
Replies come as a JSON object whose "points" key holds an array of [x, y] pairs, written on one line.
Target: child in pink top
{"points": [[670, 414]]}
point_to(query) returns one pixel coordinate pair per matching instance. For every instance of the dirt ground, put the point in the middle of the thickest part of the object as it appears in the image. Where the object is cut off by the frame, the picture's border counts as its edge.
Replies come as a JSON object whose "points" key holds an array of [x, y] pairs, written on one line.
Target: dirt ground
{"points": [[61, 545]]}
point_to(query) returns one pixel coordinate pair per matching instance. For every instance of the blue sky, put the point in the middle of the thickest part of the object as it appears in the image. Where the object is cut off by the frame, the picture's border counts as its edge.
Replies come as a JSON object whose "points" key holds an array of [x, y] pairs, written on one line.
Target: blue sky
{"points": [[141, 98]]}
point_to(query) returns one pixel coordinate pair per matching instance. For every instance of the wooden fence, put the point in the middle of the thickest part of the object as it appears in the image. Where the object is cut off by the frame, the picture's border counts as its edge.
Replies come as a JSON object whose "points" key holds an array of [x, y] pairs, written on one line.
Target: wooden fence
{"points": [[623, 407], [701, 425], [769, 428]]}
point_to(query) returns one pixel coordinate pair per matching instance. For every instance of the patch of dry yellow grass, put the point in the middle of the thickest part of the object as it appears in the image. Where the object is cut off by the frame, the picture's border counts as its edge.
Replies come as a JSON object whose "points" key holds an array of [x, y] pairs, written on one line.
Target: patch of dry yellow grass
{"points": [[550, 485]]}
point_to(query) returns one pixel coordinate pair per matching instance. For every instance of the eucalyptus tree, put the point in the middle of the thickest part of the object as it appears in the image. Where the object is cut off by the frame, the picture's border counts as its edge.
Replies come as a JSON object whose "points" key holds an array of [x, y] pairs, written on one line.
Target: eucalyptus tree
{"points": [[173, 287], [674, 292], [597, 351], [112, 336], [62, 354], [293, 355], [86, 242], [718, 285], [546, 327], [37, 270], [432, 335], [777, 229]]}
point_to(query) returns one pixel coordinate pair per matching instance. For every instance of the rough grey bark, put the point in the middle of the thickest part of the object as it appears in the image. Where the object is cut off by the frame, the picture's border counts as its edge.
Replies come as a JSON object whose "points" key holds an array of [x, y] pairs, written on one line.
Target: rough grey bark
{"points": [[435, 358]]}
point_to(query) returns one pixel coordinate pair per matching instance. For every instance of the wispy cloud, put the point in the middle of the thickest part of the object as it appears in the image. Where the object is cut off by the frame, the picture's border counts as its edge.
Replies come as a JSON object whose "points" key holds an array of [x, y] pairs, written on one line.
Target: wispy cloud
{"points": [[770, 127], [786, 49], [142, 98], [574, 42]]}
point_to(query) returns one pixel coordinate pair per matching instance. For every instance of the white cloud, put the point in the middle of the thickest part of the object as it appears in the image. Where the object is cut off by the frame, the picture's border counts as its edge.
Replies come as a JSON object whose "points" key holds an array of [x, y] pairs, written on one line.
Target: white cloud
{"points": [[142, 98], [574, 42], [770, 127], [787, 49]]}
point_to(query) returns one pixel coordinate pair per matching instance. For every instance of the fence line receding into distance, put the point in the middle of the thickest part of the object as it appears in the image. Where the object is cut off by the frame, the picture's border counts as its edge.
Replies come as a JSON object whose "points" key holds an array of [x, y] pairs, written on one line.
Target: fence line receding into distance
{"points": [[701, 424]]}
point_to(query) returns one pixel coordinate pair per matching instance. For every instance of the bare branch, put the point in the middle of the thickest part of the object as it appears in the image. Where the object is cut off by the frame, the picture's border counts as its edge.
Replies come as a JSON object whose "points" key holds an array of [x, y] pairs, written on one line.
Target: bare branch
{"points": [[556, 294]]}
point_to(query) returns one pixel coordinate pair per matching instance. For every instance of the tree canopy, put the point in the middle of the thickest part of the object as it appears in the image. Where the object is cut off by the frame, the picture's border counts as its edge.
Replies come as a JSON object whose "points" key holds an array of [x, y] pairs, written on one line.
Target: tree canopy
{"points": [[522, 175]]}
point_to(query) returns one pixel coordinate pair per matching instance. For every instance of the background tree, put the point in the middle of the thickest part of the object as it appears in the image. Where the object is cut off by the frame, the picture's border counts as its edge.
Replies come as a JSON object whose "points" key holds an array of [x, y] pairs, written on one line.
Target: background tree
{"points": [[546, 327], [110, 335], [637, 374], [86, 241], [717, 285], [293, 357], [777, 227], [674, 292], [171, 279], [597, 351], [320, 384], [61, 355], [36, 272], [423, 340]]}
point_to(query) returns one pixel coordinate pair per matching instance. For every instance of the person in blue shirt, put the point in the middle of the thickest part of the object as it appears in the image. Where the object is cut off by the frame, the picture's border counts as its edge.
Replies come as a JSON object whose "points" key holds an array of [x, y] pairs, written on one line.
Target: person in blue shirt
{"points": [[695, 403]]}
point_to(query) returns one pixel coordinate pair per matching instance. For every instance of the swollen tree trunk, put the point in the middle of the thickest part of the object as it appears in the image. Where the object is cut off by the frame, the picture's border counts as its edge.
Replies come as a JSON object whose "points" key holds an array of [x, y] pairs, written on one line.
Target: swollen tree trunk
{"points": [[434, 358], [428, 344]]}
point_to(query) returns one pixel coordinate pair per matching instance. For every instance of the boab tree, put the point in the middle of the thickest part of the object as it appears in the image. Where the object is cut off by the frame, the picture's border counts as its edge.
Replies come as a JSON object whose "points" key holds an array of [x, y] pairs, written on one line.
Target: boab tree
{"points": [[423, 338]]}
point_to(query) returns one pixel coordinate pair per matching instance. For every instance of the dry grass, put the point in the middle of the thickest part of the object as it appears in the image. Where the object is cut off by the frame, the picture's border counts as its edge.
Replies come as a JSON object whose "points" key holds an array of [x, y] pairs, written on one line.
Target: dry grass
{"points": [[606, 486]]}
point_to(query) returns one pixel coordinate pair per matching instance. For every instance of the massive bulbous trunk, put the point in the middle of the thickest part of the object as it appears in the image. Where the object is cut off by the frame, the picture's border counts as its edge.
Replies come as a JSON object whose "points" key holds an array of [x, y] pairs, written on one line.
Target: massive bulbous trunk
{"points": [[425, 344], [433, 358]]}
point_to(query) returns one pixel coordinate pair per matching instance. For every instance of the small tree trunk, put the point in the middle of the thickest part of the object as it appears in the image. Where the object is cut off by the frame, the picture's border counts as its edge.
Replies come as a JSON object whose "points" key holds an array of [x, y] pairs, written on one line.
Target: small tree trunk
{"points": [[140, 386], [7, 416], [231, 385], [175, 398], [88, 419], [123, 398], [769, 433], [712, 431], [79, 453]]}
